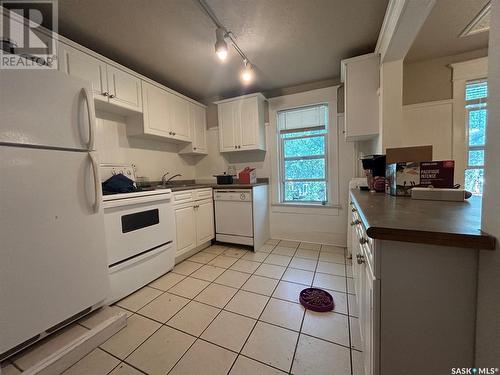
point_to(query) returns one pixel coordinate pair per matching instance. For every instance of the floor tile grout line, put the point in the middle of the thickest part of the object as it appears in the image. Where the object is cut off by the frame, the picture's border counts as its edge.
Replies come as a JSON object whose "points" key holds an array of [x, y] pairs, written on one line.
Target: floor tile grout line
{"points": [[349, 320], [199, 337], [223, 309], [123, 360], [161, 325], [303, 318], [257, 321]]}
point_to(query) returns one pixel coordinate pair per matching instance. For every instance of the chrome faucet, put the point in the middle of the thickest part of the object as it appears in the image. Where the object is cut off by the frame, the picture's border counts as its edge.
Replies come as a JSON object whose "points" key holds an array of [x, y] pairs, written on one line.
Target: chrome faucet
{"points": [[165, 180]]}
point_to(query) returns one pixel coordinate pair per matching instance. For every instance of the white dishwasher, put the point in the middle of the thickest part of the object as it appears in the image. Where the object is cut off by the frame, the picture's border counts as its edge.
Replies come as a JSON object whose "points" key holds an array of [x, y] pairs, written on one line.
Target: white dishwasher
{"points": [[234, 216]]}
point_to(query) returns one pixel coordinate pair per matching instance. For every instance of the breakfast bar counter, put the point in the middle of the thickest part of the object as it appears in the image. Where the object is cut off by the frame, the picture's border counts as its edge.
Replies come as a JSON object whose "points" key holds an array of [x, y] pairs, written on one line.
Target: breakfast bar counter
{"points": [[420, 221]]}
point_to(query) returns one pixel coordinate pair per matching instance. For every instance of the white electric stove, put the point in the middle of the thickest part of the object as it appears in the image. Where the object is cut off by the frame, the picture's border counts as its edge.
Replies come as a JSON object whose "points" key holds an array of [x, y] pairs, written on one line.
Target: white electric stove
{"points": [[140, 234]]}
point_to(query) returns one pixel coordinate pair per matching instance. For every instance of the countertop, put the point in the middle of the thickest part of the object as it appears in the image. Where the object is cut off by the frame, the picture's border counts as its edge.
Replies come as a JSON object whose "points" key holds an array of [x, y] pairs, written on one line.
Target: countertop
{"points": [[444, 223], [215, 186], [180, 185]]}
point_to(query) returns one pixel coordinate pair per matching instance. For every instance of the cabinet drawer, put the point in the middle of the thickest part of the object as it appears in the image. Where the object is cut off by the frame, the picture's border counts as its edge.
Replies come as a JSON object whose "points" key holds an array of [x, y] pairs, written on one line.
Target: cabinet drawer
{"points": [[202, 193], [183, 196]]}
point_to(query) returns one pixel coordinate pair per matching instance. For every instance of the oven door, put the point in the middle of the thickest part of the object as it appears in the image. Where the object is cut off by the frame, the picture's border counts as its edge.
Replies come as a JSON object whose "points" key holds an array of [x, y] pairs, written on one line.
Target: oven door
{"points": [[135, 227]]}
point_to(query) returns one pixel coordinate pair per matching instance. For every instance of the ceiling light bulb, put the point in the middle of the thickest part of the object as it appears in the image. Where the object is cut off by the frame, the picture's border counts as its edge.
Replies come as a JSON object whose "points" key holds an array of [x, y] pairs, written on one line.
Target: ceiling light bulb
{"points": [[247, 73], [220, 44], [221, 54]]}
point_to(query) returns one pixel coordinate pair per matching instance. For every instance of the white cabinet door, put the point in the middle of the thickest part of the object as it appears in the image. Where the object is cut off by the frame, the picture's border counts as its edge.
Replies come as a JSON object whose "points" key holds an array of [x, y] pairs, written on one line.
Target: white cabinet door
{"points": [[180, 118], [185, 223], [199, 129], [204, 221], [79, 64], [248, 124], [156, 110], [361, 84], [124, 89], [227, 126], [367, 325]]}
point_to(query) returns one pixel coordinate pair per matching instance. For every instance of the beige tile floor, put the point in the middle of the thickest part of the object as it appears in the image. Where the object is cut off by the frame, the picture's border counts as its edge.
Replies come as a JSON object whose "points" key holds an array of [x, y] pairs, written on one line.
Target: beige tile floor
{"points": [[228, 310]]}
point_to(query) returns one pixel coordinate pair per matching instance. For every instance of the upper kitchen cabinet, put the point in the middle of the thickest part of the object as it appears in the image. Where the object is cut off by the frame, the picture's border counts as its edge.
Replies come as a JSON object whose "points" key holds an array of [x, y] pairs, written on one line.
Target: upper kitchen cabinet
{"points": [[110, 85], [124, 89], [360, 76], [198, 128], [241, 123], [165, 115]]}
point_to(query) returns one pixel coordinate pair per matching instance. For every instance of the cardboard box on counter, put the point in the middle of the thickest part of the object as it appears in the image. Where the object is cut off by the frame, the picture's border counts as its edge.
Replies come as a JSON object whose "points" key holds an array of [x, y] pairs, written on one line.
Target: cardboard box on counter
{"points": [[403, 176]]}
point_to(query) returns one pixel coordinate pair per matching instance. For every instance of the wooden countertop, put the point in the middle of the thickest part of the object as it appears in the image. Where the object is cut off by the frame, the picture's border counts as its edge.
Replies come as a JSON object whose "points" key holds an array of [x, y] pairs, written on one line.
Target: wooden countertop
{"points": [[454, 224]]}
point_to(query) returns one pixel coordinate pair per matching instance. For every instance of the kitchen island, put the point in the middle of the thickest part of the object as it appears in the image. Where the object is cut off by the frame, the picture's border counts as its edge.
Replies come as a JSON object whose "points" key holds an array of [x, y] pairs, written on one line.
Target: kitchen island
{"points": [[415, 267]]}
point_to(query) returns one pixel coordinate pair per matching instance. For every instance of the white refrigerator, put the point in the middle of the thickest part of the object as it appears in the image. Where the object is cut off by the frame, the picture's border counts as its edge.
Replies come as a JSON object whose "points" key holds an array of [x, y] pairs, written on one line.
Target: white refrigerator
{"points": [[53, 265]]}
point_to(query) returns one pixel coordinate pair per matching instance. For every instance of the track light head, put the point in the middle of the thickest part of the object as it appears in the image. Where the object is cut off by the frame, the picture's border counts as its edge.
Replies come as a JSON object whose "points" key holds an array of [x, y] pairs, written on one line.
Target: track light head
{"points": [[220, 44], [247, 73]]}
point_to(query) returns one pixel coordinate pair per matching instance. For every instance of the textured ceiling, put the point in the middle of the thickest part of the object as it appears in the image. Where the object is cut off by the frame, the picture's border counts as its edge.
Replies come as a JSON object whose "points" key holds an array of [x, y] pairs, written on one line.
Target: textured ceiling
{"points": [[172, 41], [439, 35]]}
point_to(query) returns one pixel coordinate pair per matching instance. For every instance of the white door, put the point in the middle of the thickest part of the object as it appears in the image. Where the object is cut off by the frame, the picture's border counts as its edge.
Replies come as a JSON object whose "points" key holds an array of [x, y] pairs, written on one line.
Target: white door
{"points": [[199, 128], [156, 110], [46, 108], [180, 119], [53, 250], [79, 64], [227, 127], [204, 221], [124, 89], [185, 228], [248, 124]]}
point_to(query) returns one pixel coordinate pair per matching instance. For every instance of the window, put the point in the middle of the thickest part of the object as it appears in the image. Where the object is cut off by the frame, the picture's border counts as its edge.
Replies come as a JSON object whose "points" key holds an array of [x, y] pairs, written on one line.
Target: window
{"points": [[476, 94], [303, 149]]}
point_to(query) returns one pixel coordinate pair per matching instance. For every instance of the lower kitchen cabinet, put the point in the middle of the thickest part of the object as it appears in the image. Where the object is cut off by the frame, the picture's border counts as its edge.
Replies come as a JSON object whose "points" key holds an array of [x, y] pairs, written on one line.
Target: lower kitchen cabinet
{"points": [[194, 219], [204, 213], [185, 224], [416, 302]]}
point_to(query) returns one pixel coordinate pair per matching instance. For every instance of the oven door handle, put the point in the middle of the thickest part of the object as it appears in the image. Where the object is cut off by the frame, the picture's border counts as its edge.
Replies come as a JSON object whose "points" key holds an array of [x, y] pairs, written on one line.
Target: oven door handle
{"points": [[97, 182]]}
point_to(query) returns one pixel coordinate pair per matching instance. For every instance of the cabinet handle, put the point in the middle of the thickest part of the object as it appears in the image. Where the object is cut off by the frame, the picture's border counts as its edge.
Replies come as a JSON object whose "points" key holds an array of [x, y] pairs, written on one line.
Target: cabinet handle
{"points": [[235, 146], [360, 259], [173, 133], [105, 93], [111, 96], [363, 240], [170, 133], [354, 209], [194, 148]]}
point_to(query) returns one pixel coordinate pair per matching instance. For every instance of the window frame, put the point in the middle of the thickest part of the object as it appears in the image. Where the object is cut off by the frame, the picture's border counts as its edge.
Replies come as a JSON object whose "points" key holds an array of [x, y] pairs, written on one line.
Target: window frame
{"points": [[282, 158], [469, 106]]}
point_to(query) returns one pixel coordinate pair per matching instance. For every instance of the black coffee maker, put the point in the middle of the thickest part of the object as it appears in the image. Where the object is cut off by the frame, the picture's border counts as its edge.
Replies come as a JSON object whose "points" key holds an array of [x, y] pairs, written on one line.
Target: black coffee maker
{"points": [[374, 167]]}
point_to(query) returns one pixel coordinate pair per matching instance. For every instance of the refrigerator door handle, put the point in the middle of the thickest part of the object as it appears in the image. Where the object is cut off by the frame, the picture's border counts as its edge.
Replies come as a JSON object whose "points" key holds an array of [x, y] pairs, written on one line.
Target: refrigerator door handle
{"points": [[97, 182], [91, 114]]}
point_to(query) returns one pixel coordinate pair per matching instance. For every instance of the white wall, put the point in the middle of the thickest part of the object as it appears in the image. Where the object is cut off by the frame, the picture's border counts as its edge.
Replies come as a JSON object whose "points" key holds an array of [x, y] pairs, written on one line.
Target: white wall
{"points": [[217, 163], [488, 314], [314, 224], [152, 158], [429, 123]]}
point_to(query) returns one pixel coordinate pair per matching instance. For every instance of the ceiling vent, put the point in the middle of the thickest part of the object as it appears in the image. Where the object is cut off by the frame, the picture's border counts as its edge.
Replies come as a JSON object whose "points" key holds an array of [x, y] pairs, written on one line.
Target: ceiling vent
{"points": [[479, 24]]}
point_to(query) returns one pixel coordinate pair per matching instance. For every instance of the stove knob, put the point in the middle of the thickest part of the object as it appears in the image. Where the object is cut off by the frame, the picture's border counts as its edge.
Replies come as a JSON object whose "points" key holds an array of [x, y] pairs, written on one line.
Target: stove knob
{"points": [[242, 196]]}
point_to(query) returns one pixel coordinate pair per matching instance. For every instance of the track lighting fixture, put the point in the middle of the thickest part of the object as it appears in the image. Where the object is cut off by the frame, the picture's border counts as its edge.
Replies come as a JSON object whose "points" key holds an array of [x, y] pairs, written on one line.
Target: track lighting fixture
{"points": [[220, 44], [221, 47]]}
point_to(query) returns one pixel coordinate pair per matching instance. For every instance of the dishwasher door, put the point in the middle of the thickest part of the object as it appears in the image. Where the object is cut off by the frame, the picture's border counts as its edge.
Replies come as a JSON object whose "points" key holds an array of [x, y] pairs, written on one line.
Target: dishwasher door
{"points": [[233, 213]]}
